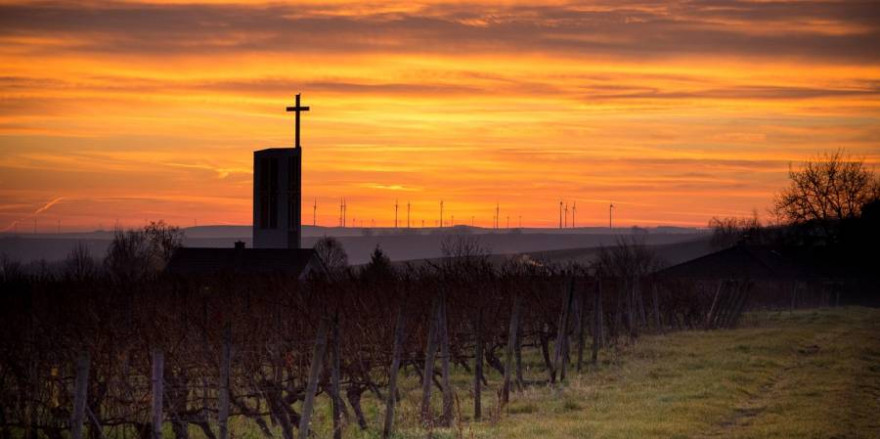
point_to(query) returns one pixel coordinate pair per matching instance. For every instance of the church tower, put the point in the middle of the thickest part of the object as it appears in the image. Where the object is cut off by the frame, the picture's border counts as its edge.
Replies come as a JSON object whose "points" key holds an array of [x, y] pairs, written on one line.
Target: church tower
{"points": [[278, 194], [277, 198]]}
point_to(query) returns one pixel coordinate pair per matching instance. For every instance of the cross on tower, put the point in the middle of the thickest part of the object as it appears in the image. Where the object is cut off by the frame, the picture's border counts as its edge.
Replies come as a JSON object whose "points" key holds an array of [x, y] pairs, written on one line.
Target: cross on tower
{"points": [[298, 108]]}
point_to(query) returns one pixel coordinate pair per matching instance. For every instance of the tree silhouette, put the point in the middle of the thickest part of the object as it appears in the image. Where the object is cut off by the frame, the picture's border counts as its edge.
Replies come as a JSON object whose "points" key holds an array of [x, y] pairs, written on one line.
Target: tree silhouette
{"points": [[332, 253], [831, 188]]}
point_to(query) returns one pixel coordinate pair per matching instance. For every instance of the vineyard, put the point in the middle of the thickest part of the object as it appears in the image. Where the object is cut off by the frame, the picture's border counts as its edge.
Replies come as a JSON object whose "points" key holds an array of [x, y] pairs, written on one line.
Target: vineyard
{"points": [[107, 357]]}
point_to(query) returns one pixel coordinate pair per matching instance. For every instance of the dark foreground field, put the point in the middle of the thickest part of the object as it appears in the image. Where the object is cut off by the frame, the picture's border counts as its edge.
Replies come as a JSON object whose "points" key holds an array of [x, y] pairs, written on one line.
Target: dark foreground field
{"points": [[810, 374]]}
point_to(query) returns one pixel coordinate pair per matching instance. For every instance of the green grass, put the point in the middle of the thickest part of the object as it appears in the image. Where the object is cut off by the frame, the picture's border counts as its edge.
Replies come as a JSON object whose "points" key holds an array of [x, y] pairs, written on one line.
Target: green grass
{"points": [[810, 374]]}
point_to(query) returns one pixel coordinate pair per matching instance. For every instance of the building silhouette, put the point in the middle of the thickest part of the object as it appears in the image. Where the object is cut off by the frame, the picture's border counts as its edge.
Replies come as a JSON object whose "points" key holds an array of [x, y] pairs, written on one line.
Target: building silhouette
{"points": [[277, 198], [277, 227]]}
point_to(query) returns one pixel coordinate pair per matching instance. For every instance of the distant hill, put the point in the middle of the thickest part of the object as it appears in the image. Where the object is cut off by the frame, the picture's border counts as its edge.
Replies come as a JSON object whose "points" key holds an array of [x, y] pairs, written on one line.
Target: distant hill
{"points": [[399, 244], [668, 253]]}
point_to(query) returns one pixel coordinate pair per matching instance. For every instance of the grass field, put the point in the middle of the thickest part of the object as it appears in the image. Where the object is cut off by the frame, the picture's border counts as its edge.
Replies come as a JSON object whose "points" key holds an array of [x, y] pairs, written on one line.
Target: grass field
{"points": [[810, 374]]}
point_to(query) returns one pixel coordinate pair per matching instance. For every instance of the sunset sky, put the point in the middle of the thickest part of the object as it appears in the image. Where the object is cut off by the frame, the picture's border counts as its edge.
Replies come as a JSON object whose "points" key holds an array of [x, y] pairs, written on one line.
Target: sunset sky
{"points": [[675, 111]]}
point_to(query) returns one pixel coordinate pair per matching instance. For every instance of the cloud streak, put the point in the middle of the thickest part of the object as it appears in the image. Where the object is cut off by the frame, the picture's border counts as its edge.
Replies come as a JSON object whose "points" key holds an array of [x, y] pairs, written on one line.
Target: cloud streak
{"points": [[841, 31], [48, 205]]}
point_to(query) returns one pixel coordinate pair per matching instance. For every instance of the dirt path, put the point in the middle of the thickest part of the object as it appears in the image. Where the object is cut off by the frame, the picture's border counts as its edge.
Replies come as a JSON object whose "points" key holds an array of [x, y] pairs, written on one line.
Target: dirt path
{"points": [[809, 362], [742, 416]]}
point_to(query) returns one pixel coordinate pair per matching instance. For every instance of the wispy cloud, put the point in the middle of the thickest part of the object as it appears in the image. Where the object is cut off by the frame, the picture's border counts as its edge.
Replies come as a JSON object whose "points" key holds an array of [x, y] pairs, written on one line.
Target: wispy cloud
{"points": [[47, 206], [222, 172], [813, 29]]}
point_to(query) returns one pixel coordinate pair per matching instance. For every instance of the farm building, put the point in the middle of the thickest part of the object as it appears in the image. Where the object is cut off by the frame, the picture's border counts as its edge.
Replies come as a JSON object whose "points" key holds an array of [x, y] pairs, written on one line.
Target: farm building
{"points": [[291, 262], [767, 277]]}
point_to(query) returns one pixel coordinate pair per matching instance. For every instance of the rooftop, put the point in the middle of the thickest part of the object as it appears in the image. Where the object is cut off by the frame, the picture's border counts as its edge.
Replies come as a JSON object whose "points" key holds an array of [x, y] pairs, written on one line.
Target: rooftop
{"points": [[740, 261], [209, 261]]}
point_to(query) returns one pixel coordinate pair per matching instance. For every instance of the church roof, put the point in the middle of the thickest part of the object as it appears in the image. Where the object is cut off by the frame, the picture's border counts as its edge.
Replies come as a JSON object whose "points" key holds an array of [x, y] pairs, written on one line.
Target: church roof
{"points": [[188, 261], [740, 261]]}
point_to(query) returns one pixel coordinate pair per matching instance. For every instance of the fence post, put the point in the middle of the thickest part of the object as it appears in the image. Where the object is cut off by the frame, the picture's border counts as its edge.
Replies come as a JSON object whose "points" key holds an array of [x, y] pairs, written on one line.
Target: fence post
{"points": [[444, 364], [517, 355], [334, 376], [80, 395], [478, 365], [511, 345], [562, 335], [158, 395], [597, 321], [656, 296], [314, 375], [579, 329], [740, 306], [223, 403], [428, 375], [711, 313], [392, 378]]}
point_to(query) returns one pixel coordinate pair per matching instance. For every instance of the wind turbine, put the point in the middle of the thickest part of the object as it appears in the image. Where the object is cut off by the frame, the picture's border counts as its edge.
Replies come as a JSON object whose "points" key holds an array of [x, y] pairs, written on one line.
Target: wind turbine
{"points": [[566, 215], [560, 214], [610, 209]]}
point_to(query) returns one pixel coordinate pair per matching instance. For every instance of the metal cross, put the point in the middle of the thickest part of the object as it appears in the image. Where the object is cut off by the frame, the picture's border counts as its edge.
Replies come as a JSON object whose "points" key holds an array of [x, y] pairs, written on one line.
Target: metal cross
{"points": [[298, 108]]}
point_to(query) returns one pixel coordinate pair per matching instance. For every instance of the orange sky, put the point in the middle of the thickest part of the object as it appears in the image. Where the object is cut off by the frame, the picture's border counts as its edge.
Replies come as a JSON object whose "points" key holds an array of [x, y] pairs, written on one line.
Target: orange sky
{"points": [[677, 112]]}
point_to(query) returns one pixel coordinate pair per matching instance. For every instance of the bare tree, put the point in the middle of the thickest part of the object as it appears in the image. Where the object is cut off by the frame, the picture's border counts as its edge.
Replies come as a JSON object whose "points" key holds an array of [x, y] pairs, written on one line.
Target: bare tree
{"points": [[163, 240], [332, 253], [833, 187], [135, 253], [80, 265], [732, 230], [9, 268], [626, 263], [630, 257], [127, 255], [463, 248]]}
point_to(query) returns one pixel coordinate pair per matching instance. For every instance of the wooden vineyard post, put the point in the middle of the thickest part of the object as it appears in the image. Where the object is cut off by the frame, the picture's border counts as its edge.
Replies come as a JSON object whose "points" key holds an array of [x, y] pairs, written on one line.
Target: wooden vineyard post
{"points": [[334, 377], [597, 321], [511, 345], [714, 303], [392, 378], [223, 402], [448, 402], [428, 374], [517, 353], [579, 330], [80, 394], [726, 305], [478, 365], [562, 335], [314, 375], [640, 299], [741, 304], [158, 395], [656, 299]]}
